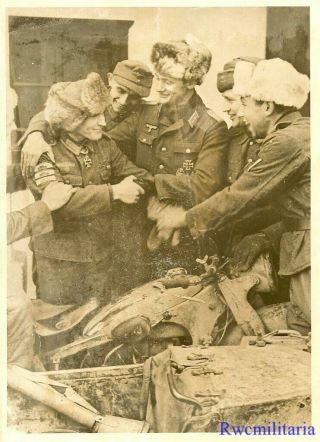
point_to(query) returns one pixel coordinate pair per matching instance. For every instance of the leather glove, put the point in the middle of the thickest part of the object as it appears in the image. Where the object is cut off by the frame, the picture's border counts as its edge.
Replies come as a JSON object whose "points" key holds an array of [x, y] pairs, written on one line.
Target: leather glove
{"points": [[248, 249], [158, 210], [155, 207]]}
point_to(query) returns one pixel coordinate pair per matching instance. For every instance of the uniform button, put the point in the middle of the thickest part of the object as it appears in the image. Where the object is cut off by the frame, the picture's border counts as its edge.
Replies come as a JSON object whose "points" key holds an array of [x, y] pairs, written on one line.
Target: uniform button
{"points": [[163, 149], [108, 166], [161, 167], [230, 178], [188, 150], [144, 140], [68, 181], [89, 224], [250, 143], [250, 160]]}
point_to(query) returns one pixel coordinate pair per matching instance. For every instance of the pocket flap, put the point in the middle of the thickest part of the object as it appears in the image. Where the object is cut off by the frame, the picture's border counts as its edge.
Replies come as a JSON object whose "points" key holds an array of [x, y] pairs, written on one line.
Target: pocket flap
{"points": [[187, 147]]}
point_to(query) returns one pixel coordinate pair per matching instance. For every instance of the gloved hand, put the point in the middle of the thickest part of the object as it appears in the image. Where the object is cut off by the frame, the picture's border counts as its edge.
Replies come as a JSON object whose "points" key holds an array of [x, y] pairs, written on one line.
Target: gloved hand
{"points": [[172, 217], [248, 249], [159, 211], [155, 206]]}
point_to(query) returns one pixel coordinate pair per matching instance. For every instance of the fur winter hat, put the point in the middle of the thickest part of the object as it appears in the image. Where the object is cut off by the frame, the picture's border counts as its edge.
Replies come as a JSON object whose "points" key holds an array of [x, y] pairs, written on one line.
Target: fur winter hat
{"points": [[187, 60], [278, 81], [70, 103], [225, 79]]}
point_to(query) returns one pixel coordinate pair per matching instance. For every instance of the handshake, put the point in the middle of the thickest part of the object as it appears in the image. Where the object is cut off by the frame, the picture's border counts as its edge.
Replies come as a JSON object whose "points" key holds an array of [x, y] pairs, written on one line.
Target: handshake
{"points": [[127, 191], [168, 219]]}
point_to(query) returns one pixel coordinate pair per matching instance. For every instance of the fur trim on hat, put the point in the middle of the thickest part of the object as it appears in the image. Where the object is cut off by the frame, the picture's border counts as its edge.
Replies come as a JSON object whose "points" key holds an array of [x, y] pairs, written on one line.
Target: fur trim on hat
{"points": [[278, 81], [70, 103], [189, 59], [242, 75]]}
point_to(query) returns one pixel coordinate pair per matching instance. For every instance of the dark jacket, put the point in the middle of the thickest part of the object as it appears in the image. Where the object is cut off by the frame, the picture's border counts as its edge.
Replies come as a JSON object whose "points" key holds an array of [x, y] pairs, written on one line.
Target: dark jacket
{"points": [[280, 175], [82, 228], [34, 219], [183, 148]]}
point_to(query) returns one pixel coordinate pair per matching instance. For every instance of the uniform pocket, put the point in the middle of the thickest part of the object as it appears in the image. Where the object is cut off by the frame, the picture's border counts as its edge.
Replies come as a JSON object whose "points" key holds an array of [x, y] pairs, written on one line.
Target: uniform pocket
{"points": [[105, 171], [186, 156], [74, 180]]}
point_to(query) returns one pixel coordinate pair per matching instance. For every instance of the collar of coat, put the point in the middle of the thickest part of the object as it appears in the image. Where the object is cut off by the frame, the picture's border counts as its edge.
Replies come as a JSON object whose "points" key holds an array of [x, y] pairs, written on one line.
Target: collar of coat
{"points": [[285, 120], [187, 115], [74, 146]]}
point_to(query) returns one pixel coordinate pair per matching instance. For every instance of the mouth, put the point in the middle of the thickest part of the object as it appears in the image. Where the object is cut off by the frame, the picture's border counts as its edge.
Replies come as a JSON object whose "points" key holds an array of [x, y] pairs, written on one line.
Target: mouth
{"points": [[163, 95]]}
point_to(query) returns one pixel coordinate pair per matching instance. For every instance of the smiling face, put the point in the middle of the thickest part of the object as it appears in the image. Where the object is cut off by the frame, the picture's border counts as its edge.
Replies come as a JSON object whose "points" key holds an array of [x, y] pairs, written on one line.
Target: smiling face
{"points": [[171, 89], [233, 107], [91, 128], [256, 115], [122, 99]]}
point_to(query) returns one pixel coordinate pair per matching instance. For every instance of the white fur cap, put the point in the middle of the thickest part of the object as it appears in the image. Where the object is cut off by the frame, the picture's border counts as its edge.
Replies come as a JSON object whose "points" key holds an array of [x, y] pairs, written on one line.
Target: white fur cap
{"points": [[278, 81], [242, 75], [170, 67]]}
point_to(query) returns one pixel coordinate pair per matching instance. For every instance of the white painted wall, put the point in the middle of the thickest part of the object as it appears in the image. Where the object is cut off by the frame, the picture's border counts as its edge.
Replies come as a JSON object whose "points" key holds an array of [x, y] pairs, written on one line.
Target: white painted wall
{"points": [[228, 32]]}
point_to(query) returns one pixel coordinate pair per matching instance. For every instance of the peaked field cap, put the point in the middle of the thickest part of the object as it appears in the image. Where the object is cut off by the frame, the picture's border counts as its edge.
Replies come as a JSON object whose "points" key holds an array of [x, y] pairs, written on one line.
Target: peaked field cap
{"points": [[70, 103], [278, 81], [134, 75], [225, 78]]}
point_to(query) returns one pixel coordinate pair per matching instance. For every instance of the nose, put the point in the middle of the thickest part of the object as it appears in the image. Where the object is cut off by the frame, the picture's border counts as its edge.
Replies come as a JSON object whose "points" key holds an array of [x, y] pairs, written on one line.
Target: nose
{"points": [[240, 112], [101, 120], [123, 98], [160, 85]]}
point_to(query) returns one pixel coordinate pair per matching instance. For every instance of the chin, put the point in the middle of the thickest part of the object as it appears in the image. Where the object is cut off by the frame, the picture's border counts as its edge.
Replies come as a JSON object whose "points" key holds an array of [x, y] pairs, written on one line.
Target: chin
{"points": [[95, 137], [164, 100]]}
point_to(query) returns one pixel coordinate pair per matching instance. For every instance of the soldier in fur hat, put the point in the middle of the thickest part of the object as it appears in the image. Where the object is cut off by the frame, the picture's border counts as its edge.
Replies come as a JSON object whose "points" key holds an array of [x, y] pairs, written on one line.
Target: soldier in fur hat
{"points": [[243, 150], [280, 174], [130, 81], [181, 143], [73, 262]]}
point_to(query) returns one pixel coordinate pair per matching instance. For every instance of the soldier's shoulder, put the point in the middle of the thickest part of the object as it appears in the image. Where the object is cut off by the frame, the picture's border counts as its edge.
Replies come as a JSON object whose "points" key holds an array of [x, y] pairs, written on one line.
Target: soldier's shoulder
{"points": [[149, 106], [210, 120], [214, 115]]}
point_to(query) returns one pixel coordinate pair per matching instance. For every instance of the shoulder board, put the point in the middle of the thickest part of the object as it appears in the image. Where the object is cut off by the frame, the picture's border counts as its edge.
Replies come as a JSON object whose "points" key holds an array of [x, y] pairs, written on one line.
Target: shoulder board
{"points": [[213, 114]]}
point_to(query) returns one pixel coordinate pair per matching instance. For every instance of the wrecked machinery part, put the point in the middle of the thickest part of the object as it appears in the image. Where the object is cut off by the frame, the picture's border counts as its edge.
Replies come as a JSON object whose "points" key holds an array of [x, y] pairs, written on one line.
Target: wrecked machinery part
{"points": [[21, 380]]}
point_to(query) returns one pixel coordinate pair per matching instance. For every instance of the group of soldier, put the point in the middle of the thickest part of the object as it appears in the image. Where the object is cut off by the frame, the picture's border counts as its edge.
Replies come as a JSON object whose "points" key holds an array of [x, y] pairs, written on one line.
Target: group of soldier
{"points": [[147, 186]]}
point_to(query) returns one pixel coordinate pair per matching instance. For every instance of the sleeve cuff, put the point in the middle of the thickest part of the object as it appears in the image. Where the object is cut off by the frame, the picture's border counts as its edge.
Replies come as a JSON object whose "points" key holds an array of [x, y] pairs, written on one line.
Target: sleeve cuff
{"points": [[40, 218]]}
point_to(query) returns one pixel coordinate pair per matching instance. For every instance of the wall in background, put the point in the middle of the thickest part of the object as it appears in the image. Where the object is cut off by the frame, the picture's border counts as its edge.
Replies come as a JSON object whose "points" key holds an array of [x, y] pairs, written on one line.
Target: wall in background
{"points": [[228, 32]]}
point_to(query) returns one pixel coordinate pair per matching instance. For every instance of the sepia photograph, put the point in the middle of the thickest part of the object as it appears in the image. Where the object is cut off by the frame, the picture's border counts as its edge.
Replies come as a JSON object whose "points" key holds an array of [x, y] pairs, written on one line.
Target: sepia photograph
{"points": [[158, 201]]}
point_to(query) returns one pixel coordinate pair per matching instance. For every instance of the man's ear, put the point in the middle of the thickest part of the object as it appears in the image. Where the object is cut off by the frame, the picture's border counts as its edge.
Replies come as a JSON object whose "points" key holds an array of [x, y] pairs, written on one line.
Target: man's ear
{"points": [[191, 85], [269, 107], [110, 77]]}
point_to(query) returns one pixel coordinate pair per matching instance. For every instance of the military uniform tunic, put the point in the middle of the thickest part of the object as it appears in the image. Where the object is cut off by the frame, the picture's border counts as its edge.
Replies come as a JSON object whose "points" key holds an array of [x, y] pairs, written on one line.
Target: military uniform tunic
{"points": [[280, 175], [242, 151], [73, 261], [184, 147]]}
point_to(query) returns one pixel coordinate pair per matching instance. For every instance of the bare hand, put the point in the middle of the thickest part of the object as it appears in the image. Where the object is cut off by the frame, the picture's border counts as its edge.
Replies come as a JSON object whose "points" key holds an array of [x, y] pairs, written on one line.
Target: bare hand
{"points": [[57, 194], [127, 191], [33, 148]]}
